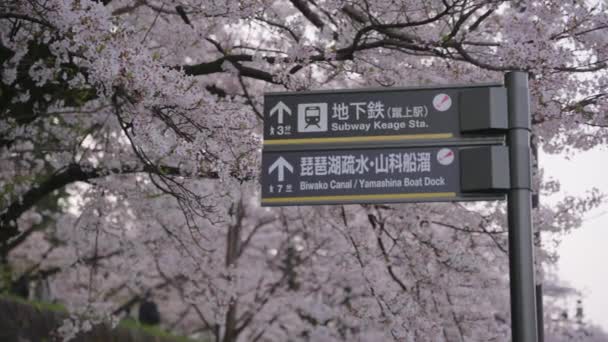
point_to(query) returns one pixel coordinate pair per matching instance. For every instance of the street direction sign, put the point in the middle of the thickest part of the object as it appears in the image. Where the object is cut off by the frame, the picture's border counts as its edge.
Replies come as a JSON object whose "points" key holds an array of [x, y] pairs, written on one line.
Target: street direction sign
{"points": [[420, 144], [407, 174], [472, 114]]}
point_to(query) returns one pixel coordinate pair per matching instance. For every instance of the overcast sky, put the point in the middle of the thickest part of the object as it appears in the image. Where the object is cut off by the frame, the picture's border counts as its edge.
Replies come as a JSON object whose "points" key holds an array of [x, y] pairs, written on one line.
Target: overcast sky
{"points": [[584, 252]]}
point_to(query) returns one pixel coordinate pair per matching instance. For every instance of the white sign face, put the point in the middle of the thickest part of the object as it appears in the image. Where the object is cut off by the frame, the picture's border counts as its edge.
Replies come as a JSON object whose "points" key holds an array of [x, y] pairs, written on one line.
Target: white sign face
{"points": [[445, 156], [312, 117], [442, 102]]}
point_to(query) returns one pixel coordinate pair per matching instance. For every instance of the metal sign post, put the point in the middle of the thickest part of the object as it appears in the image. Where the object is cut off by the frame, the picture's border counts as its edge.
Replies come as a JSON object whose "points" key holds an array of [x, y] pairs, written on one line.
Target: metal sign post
{"points": [[537, 242], [519, 207]]}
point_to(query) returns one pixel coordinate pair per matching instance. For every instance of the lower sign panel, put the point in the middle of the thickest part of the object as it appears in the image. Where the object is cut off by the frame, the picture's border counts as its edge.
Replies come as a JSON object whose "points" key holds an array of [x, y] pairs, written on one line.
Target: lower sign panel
{"points": [[365, 176]]}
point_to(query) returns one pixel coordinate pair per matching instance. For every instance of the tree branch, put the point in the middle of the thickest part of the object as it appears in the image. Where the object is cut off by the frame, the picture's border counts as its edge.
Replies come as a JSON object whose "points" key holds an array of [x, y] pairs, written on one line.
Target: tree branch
{"points": [[72, 173], [216, 66], [26, 18], [313, 17]]}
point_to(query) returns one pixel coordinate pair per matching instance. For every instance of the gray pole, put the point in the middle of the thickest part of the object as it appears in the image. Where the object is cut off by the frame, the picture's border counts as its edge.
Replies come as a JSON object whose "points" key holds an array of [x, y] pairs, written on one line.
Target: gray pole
{"points": [[540, 313], [519, 207], [540, 319]]}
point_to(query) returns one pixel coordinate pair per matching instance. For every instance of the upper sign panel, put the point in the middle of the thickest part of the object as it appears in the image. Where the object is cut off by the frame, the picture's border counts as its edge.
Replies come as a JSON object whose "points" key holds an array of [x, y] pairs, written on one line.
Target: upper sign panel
{"points": [[380, 115]]}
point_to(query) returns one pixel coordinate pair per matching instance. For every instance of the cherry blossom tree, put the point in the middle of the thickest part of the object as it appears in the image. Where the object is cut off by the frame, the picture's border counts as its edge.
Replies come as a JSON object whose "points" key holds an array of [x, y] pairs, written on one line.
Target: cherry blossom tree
{"points": [[130, 141]]}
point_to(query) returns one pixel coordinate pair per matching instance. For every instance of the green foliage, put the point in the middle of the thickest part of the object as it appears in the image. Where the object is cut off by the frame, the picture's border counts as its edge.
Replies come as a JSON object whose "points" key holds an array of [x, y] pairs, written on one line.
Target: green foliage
{"points": [[132, 324], [36, 321], [39, 305]]}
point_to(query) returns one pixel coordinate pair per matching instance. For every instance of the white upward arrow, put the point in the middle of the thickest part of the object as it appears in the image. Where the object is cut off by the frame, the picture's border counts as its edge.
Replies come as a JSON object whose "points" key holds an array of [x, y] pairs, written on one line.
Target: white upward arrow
{"points": [[280, 164], [280, 108]]}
